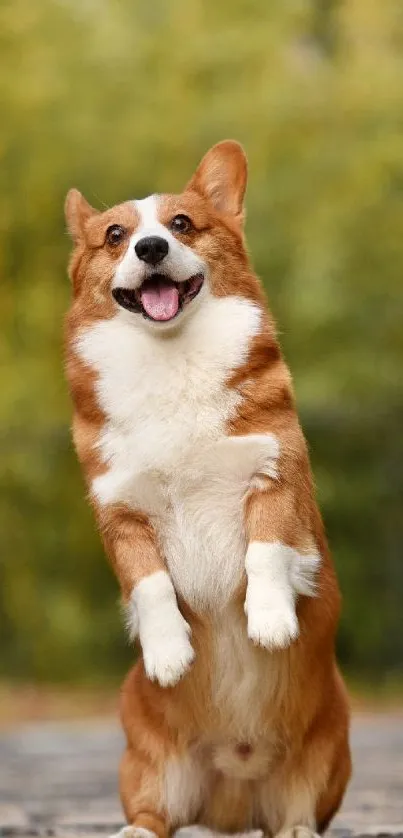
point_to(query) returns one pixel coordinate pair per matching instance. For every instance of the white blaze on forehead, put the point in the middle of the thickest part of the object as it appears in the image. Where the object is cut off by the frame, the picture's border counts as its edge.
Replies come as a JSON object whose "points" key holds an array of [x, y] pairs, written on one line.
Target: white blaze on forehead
{"points": [[149, 225], [180, 263]]}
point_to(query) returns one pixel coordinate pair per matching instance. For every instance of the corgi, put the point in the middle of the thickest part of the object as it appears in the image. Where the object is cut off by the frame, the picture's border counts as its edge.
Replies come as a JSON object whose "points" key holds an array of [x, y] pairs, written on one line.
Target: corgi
{"points": [[236, 717]]}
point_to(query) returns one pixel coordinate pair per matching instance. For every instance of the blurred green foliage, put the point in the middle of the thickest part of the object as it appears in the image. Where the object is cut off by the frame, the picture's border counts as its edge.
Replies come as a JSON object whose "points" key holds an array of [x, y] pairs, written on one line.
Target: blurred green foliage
{"points": [[120, 99]]}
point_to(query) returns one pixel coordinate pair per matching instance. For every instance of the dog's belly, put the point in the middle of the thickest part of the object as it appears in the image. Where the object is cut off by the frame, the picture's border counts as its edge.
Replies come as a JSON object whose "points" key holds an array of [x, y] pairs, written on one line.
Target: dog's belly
{"points": [[195, 502], [202, 536]]}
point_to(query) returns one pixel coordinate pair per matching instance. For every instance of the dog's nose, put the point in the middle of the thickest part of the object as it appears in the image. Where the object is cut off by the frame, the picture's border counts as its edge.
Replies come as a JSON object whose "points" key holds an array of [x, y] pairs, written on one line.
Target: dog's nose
{"points": [[152, 249]]}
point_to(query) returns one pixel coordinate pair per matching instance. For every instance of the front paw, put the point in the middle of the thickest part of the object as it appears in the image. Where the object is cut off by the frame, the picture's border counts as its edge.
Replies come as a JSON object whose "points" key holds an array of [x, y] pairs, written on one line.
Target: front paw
{"points": [[164, 634], [272, 627], [168, 657]]}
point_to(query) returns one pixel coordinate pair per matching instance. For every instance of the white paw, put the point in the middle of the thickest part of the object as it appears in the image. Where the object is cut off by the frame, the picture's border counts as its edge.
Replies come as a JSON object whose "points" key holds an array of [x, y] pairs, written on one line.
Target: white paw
{"points": [[273, 628], [133, 832], [196, 831], [164, 634], [298, 832], [168, 657]]}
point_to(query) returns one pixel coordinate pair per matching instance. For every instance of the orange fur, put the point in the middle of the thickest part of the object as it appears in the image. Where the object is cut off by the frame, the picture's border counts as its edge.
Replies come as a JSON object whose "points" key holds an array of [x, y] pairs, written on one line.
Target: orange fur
{"points": [[296, 724]]}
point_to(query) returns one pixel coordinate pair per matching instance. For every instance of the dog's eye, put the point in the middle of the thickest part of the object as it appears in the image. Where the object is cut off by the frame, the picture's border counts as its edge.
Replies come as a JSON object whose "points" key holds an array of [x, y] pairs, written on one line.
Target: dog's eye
{"points": [[115, 234], [181, 224]]}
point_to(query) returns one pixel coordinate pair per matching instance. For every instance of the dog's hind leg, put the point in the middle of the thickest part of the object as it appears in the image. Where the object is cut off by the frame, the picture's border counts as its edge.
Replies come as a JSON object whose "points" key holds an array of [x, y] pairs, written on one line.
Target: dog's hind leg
{"points": [[140, 786], [162, 781], [301, 798], [159, 791]]}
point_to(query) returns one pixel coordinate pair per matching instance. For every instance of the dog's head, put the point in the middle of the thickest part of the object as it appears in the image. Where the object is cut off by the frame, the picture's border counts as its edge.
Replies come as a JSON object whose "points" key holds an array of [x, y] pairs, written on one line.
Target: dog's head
{"points": [[157, 258]]}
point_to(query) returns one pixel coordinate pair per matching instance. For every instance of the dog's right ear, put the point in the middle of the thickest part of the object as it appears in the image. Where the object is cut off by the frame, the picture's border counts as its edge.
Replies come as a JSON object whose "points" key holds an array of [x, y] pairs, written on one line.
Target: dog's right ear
{"points": [[77, 212], [221, 177]]}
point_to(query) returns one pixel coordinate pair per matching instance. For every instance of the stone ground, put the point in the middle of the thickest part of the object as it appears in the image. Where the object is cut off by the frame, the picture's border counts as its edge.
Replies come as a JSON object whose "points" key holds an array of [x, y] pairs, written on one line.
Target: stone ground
{"points": [[61, 779]]}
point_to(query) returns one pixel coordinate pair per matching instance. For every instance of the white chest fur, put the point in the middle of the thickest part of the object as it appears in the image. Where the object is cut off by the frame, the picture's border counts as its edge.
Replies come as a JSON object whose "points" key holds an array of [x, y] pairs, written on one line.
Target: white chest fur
{"points": [[167, 405]]}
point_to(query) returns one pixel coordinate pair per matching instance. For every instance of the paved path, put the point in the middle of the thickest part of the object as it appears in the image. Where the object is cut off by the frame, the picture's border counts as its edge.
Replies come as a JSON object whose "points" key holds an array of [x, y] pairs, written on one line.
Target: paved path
{"points": [[61, 779]]}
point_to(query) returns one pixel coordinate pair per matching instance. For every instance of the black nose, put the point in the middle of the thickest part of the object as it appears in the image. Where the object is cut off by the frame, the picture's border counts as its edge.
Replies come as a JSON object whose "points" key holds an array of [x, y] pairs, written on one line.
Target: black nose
{"points": [[152, 249]]}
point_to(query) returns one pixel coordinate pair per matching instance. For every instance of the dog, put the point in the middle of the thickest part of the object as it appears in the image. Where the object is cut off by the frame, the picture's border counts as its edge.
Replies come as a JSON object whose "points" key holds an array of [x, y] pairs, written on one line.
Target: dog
{"points": [[185, 424]]}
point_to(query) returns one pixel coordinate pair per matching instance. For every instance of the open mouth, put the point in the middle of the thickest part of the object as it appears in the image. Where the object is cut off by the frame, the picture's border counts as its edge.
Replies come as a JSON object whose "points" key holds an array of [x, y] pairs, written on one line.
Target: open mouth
{"points": [[159, 298]]}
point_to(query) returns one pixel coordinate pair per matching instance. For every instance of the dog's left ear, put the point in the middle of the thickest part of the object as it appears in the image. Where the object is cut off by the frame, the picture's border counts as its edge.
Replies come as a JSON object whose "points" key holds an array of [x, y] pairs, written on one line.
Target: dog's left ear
{"points": [[221, 177]]}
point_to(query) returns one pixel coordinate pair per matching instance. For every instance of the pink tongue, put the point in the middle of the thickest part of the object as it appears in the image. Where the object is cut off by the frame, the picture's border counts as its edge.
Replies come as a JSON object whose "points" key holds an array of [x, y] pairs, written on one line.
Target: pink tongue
{"points": [[161, 302]]}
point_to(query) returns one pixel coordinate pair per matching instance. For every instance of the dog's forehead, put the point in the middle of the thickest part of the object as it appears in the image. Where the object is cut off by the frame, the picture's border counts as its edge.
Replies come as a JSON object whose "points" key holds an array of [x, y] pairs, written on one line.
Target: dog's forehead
{"points": [[148, 212], [143, 213], [153, 212], [160, 209]]}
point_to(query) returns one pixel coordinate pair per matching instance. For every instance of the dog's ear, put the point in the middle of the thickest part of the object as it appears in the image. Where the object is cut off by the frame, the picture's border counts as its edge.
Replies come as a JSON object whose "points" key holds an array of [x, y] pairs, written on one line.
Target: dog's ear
{"points": [[77, 212], [221, 177]]}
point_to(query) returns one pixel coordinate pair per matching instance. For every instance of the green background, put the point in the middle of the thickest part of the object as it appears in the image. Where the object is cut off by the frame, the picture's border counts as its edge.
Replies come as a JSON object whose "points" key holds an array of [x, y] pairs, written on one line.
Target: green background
{"points": [[121, 99]]}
